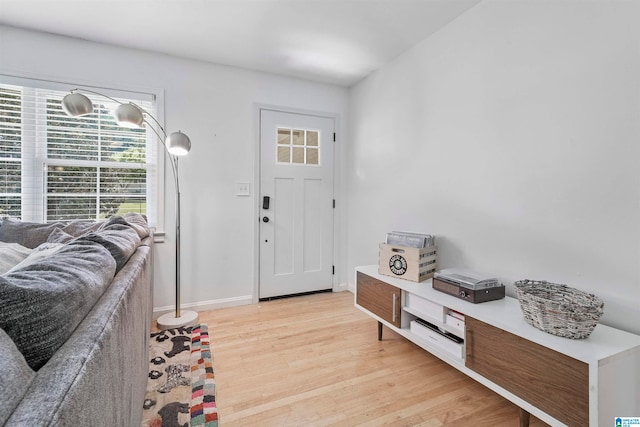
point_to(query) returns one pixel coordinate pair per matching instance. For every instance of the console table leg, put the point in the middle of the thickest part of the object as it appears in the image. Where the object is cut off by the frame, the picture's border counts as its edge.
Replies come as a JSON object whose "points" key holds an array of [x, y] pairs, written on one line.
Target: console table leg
{"points": [[379, 331], [524, 418]]}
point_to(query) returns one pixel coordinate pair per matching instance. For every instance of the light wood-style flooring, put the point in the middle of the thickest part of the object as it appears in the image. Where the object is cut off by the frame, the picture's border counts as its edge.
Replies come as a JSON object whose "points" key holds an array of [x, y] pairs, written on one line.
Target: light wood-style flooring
{"points": [[316, 361]]}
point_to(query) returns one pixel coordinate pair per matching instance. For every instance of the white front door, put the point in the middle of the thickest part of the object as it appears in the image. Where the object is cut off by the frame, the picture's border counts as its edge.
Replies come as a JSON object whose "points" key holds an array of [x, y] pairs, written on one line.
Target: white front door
{"points": [[296, 203]]}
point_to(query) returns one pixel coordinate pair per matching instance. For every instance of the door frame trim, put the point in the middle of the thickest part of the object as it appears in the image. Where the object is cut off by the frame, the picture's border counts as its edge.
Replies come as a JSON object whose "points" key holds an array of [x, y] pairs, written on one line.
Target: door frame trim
{"points": [[258, 108]]}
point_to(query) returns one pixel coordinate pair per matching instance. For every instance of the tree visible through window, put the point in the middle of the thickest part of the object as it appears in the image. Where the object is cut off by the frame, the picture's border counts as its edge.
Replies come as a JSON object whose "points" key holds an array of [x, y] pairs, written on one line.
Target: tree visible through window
{"points": [[59, 168]]}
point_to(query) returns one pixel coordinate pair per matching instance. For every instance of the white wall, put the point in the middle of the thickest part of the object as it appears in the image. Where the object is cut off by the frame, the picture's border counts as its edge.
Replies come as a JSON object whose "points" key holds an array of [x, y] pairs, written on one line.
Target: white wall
{"points": [[214, 105], [513, 134]]}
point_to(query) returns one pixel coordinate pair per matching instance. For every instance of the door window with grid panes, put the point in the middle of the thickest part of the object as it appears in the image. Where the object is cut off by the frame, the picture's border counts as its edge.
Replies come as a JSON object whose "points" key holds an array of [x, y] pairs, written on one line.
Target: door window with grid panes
{"points": [[298, 146]]}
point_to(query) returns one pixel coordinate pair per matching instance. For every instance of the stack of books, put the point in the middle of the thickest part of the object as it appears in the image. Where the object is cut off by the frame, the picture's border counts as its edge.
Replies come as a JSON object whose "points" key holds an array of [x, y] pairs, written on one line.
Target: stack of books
{"points": [[410, 240]]}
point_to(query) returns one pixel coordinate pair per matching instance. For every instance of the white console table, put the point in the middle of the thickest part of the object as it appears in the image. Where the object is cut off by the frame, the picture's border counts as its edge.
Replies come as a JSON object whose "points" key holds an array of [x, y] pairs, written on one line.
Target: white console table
{"points": [[559, 380]]}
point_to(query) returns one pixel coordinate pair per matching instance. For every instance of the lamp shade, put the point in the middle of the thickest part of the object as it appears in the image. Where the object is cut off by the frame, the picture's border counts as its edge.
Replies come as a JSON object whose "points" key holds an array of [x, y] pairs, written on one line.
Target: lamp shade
{"points": [[128, 116], [178, 144], [76, 104]]}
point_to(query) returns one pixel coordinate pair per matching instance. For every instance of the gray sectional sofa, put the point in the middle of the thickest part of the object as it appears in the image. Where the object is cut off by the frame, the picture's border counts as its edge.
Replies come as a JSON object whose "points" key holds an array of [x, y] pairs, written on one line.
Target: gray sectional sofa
{"points": [[75, 317]]}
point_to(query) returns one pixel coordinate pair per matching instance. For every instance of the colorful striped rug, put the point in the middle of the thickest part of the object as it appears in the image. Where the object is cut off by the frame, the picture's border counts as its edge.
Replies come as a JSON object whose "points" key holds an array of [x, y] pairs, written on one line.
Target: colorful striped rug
{"points": [[181, 387]]}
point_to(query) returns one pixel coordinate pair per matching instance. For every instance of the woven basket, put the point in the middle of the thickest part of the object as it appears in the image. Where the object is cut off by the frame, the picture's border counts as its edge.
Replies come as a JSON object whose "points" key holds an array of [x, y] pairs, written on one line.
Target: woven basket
{"points": [[559, 309]]}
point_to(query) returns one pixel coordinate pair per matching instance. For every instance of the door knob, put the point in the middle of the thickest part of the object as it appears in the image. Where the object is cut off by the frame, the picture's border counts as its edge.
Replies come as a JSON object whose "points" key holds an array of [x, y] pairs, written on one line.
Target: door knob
{"points": [[265, 219]]}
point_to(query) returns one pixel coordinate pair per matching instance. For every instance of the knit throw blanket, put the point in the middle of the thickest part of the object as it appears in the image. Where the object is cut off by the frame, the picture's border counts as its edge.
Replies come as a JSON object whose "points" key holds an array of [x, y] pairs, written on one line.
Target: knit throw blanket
{"points": [[181, 385]]}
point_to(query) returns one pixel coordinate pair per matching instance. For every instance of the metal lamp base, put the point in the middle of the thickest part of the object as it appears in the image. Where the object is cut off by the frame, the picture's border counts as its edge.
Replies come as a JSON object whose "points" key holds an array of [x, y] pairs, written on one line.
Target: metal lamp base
{"points": [[169, 320]]}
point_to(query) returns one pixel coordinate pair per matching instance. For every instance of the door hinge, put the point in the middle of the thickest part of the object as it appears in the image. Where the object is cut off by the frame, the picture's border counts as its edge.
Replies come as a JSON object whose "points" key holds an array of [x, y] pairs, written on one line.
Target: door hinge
{"points": [[333, 269], [334, 137], [334, 203]]}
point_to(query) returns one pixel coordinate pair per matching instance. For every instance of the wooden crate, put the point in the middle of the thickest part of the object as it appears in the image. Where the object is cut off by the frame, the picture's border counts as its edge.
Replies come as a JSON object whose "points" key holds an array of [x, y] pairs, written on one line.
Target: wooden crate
{"points": [[407, 263]]}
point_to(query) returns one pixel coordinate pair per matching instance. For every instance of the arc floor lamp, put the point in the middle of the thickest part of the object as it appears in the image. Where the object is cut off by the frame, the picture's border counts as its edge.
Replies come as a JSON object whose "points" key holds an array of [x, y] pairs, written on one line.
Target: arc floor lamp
{"points": [[177, 144]]}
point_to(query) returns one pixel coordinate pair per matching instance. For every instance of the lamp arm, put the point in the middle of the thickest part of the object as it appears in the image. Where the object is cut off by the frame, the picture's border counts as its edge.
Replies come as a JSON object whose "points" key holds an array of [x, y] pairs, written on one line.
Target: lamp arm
{"points": [[97, 93], [147, 114], [174, 166], [154, 119], [162, 137], [164, 145]]}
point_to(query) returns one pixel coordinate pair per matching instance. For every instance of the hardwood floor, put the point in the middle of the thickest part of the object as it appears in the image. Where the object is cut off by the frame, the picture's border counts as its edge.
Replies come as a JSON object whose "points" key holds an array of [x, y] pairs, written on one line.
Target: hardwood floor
{"points": [[316, 361]]}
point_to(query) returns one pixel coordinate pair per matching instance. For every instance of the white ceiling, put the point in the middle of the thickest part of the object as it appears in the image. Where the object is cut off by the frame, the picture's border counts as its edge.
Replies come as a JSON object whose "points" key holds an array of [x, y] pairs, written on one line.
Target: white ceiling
{"points": [[333, 41]]}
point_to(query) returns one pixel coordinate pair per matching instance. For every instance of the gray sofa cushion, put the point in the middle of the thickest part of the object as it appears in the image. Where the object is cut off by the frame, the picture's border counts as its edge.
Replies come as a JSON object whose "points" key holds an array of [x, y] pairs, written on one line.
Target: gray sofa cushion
{"points": [[12, 254], [137, 222], [43, 251], [15, 376], [28, 234], [120, 240], [80, 226], [32, 234], [58, 235], [134, 220], [43, 303]]}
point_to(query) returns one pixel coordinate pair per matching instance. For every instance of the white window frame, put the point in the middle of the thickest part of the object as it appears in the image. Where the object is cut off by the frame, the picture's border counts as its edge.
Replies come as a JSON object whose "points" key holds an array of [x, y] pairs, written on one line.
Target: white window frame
{"points": [[33, 163]]}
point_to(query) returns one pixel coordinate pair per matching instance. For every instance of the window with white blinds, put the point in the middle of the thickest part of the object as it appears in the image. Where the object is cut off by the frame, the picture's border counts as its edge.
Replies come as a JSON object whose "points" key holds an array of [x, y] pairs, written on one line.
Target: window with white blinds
{"points": [[58, 168]]}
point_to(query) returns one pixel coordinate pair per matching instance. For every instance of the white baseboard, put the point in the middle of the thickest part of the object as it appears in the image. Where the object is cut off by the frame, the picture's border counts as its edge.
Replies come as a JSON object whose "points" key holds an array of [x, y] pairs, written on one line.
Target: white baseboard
{"points": [[205, 305]]}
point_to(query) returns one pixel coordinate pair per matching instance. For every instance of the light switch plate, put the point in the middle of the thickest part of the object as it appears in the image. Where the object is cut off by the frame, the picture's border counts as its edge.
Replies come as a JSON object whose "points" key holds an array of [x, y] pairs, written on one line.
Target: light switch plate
{"points": [[243, 189]]}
